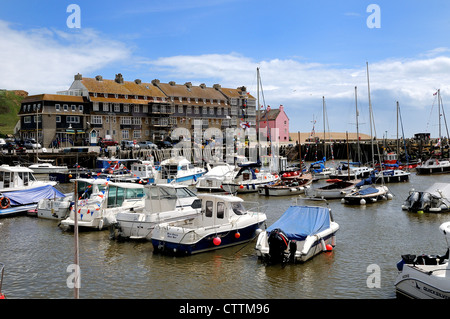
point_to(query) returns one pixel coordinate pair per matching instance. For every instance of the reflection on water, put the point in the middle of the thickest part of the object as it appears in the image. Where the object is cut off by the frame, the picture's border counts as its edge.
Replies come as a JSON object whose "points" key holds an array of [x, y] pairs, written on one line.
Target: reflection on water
{"points": [[36, 254]]}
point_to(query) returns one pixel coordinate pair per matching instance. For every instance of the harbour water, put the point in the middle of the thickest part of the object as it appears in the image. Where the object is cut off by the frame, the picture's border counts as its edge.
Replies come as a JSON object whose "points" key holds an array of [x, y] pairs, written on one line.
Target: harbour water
{"points": [[371, 239]]}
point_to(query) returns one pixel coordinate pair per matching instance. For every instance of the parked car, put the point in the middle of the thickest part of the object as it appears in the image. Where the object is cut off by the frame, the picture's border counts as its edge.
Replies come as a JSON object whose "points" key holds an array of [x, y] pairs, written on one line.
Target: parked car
{"points": [[164, 144], [130, 145], [32, 144], [147, 145], [108, 142], [13, 146]]}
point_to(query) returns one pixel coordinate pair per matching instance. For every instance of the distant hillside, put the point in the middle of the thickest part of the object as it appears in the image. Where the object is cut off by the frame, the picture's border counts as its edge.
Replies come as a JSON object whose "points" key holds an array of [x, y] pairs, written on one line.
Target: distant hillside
{"points": [[9, 107]]}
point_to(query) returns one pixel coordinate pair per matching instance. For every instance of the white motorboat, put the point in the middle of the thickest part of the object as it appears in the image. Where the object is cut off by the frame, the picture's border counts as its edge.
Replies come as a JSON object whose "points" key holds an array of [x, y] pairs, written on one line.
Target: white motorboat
{"points": [[333, 190], [20, 191], [223, 222], [163, 203], [47, 168], [298, 235], [320, 171], [144, 170], [433, 166], [212, 180], [367, 195], [434, 199], [100, 209], [352, 170], [392, 176], [54, 208], [247, 179], [425, 276], [179, 170]]}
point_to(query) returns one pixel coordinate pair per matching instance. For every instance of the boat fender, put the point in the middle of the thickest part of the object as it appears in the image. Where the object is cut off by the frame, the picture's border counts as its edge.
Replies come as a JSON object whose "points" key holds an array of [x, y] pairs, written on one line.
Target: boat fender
{"points": [[324, 246], [4, 202], [100, 224], [362, 201], [389, 196]]}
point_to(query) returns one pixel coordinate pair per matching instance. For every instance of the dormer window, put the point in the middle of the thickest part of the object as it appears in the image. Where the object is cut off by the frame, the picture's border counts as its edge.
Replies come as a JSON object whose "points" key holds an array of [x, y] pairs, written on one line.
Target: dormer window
{"points": [[105, 95]]}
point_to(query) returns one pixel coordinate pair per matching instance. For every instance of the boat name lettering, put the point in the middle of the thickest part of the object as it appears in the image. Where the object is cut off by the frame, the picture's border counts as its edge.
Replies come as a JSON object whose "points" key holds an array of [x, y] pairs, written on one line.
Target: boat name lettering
{"points": [[436, 293], [172, 235]]}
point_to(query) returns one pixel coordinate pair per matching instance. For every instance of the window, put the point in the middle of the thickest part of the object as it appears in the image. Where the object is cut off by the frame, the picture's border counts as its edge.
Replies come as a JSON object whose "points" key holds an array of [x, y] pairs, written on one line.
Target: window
{"points": [[74, 108], [105, 107], [125, 134], [136, 108], [58, 119], [211, 111], [208, 209], [72, 119], [116, 107], [95, 106], [220, 210], [27, 119], [205, 110], [136, 134], [80, 108], [126, 107], [65, 107], [125, 120], [188, 109], [137, 121], [145, 109], [180, 108], [96, 119], [57, 107], [196, 110]]}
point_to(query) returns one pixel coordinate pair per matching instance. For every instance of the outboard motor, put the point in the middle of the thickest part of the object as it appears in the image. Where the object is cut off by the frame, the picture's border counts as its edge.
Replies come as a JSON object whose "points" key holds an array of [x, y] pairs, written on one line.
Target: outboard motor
{"points": [[425, 201], [278, 242]]}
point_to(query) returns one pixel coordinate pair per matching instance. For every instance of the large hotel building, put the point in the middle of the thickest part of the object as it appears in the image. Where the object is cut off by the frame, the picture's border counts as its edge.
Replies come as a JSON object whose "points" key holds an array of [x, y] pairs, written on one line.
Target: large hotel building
{"points": [[131, 110]]}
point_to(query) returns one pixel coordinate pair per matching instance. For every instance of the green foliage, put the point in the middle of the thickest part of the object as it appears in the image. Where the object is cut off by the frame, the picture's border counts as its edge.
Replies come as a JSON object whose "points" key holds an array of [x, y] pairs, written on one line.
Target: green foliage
{"points": [[9, 108]]}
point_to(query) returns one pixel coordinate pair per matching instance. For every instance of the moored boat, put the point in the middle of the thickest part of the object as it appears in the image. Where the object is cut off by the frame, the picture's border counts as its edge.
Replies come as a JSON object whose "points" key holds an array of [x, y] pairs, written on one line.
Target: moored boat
{"points": [[367, 195], [298, 235], [248, 179], [425, 276], [435, 199], [224, 222], [334, 190], [433, 166], [288, 185], [163, 203]]}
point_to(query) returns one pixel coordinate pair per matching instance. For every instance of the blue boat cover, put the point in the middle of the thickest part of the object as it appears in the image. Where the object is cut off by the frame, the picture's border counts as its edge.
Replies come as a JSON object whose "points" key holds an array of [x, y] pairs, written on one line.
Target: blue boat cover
{"points": [[298, 222], [33, 195], [367, 191]]}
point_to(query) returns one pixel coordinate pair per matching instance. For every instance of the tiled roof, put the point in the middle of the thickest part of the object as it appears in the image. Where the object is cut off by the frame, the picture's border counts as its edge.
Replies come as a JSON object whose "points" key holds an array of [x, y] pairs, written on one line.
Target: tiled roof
{"points": [[270, 115], [53, 97], [125, 88]]}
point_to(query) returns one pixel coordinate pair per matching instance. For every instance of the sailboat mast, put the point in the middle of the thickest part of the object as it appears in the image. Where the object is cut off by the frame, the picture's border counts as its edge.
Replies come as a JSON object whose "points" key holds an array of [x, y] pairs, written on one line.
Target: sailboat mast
{"points": [[370, 111], [75, 235], [324, 143], [398, 143], [439, 111], [258, 110], [357, 125]]}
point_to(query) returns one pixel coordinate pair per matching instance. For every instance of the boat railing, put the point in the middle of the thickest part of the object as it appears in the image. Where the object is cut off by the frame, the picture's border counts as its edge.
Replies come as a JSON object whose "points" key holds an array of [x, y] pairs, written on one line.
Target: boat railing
{"points": [[255, 207]]}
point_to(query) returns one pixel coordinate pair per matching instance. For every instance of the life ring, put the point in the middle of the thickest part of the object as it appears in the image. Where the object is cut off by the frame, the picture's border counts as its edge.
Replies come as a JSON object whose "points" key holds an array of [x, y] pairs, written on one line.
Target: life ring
{"points": [[5, 202]]}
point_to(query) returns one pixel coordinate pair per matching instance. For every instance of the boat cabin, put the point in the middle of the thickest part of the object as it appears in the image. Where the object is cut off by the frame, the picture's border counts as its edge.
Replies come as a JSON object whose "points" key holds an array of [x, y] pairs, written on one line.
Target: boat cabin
{"points": [[15, 176], [220, 209], [168, 197]]}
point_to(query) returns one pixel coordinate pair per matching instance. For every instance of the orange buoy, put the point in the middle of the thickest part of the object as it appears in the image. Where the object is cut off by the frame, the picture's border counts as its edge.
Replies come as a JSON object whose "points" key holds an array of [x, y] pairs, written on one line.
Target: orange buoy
{"points": [[217, 241], [237, 235], [329, 247]]}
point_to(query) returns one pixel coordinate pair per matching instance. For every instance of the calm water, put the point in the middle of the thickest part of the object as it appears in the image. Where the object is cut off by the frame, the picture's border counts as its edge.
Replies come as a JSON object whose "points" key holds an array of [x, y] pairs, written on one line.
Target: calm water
{"points": [[36, 254]]}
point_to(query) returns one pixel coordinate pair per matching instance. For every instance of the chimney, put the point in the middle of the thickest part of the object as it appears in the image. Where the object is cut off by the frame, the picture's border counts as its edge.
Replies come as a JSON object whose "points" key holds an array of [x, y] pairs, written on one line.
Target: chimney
{"points": [[78, 77], [137, 81], [281, 108], [172, 83], [217, 86], [119, 78], [203, 86], [99, 78], [155, 82], [188, 84]]}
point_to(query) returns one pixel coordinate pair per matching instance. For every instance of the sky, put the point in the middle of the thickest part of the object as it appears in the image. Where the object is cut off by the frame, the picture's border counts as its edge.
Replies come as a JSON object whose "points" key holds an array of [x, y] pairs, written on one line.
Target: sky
{"points": [[309, 54]]}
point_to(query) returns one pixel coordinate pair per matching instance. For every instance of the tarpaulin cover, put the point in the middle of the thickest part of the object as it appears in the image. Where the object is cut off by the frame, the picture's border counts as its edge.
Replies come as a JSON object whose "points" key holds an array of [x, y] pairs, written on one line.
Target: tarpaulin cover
{"points": [[33, 195], [367, 191], [298, 222]]}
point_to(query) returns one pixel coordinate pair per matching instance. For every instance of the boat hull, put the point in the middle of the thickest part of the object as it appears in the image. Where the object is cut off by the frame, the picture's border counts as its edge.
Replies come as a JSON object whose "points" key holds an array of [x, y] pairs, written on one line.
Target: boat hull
{"points": [[432, 170], [417, 283], [281, 190], [206, 243]]}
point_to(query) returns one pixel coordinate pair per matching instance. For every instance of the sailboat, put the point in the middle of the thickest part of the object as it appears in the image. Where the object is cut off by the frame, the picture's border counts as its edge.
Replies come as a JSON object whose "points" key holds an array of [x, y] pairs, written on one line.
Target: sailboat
{"points": [[366, 192], [435, 165]]}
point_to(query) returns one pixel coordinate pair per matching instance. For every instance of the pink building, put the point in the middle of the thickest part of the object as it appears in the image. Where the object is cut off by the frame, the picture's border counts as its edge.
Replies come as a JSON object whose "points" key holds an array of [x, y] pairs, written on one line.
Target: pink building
{"points": [[274, 119]]}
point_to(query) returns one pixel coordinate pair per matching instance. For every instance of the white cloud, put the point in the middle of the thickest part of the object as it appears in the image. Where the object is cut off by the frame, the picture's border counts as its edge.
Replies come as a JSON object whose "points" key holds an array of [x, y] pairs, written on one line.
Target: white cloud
{"points": [[44, 60]]}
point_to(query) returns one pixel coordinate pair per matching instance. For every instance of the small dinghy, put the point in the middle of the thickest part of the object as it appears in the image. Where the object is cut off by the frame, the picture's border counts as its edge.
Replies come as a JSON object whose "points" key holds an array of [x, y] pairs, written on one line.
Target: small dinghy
{"points": [[425, 276], [301, 233]]}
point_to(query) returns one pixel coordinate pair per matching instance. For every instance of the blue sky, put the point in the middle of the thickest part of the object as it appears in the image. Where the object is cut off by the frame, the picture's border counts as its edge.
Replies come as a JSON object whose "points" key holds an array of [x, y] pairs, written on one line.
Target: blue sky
{"points": [[304, 49]]}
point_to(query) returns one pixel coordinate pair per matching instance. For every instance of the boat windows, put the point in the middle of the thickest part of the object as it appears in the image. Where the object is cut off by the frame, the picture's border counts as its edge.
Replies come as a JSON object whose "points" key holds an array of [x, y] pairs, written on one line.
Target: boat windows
{"points": [[238, 208], [6, 179], [208, 208], [184, 192], [134, 193], [220, 210]]}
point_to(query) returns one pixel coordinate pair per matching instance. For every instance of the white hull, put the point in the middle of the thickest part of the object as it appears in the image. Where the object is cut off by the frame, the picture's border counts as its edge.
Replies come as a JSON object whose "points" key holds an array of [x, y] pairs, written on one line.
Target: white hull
{"points": [[282, 190], [55, 209], [416, 282]]}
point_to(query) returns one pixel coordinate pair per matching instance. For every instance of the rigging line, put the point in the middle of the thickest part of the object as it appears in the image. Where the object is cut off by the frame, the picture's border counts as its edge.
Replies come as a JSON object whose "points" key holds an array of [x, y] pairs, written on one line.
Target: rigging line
{"points": [[445, 120], [429, 116]]}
